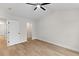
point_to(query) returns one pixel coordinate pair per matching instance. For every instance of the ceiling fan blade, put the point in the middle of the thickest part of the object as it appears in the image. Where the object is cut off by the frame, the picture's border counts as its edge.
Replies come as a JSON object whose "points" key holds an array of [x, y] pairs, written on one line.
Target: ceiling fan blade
{"points": [[35, 8], [45, 3], [43, 8], [30, 3]]}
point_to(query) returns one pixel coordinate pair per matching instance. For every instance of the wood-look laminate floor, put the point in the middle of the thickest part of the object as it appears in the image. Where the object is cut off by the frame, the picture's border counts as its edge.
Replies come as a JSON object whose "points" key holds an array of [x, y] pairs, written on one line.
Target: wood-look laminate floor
{"points": [[36, 48], [3, 41]]}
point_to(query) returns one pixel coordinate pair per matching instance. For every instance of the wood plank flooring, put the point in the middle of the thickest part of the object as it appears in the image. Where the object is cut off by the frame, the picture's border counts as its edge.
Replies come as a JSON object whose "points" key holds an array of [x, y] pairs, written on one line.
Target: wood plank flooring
{"points": [[36, 48], [3, 42]]}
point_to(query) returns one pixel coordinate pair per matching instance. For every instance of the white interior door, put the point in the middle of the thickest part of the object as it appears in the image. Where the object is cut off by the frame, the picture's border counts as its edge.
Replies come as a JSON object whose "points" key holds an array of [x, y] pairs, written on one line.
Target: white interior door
{"points": [[13, 33]]}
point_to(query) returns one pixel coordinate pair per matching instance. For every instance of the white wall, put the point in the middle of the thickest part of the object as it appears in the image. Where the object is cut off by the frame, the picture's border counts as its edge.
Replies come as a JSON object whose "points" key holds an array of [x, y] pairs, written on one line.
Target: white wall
{"points": [[61, 28], [34, 29]]}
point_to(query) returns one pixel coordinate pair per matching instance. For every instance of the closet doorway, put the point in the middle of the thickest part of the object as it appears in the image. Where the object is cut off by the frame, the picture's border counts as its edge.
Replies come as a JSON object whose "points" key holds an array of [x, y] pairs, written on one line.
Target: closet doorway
{"points": [[29, 31]]}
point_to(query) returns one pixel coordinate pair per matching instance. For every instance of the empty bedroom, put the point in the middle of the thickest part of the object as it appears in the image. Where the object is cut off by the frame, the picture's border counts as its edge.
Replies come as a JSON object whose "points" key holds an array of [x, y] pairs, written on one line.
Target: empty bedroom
{"points": [[39, 29]]}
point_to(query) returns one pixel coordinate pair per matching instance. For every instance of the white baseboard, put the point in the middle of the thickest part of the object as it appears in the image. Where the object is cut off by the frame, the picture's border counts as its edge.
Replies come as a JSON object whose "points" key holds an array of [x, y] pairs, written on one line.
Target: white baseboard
{"points": [[58, 44], [34, 38]]}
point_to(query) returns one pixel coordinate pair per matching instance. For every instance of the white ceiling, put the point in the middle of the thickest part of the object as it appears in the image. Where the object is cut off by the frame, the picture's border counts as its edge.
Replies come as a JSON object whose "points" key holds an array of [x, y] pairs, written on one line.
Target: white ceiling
{"points": [[27, 11]]}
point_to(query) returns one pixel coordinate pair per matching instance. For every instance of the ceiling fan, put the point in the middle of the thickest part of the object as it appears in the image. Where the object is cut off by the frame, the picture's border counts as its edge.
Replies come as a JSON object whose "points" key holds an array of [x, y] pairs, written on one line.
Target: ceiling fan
{"points": [[38, 5]]}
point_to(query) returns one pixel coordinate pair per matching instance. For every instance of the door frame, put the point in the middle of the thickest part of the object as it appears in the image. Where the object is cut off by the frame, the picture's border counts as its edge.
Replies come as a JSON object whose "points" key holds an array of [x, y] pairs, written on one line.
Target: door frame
{"points": [[29, 26]]}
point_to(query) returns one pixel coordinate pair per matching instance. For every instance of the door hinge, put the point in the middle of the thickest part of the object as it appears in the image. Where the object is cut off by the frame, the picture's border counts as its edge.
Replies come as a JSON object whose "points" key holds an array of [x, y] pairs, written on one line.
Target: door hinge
{"points": [[8, 41], [8, 32], [8, 22]]}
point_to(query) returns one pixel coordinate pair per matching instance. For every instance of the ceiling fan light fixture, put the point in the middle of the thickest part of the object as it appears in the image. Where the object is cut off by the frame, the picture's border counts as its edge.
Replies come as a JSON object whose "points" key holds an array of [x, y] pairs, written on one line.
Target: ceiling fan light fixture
{"points": [[38, 6]]}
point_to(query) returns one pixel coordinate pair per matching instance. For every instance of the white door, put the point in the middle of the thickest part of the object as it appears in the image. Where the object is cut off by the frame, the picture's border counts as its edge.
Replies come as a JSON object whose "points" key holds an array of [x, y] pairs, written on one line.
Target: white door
{"points": [[13, 32]]}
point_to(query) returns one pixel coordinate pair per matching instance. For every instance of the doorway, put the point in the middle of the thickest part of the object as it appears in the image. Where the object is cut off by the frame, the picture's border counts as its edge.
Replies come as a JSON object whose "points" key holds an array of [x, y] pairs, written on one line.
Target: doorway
{"points": [[29, 31], [3, 38]]}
